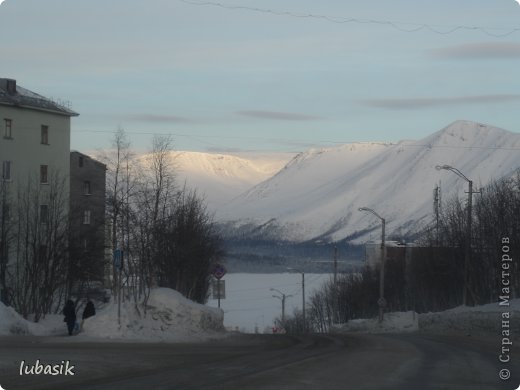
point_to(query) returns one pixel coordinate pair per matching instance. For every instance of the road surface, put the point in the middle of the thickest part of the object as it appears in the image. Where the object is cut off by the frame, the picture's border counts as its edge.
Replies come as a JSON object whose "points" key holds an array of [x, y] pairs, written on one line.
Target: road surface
{"points": [[355, 361]]}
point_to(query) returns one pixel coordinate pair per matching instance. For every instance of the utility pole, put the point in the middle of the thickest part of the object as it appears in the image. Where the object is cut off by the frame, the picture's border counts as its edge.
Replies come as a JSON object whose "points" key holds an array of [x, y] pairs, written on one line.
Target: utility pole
{"points": [[335, 264], [303, 296], [381, 302], [282, 298], [467, 251]]}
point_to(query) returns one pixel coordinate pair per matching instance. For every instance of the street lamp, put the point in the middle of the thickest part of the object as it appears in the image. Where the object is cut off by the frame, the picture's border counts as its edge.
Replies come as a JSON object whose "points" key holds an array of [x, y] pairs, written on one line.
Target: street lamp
{"points": [[281, 298], [467, 252], [303, 295], [381, 301]]}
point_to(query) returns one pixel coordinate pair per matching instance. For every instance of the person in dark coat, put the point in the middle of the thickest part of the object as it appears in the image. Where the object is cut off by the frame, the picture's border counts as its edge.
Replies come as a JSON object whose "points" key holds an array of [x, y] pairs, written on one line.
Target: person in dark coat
{"points": [[69, 311], [89, 310]]}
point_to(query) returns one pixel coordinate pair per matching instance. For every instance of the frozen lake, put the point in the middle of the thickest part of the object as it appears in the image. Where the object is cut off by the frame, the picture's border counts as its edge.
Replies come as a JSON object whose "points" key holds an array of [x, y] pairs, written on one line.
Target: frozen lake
{"points": [[249, 303]]}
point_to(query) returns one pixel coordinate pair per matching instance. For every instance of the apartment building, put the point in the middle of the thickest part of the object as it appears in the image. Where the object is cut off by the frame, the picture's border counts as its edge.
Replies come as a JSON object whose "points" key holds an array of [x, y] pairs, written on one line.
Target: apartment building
{"points": [[87, 215], [34, 152]]}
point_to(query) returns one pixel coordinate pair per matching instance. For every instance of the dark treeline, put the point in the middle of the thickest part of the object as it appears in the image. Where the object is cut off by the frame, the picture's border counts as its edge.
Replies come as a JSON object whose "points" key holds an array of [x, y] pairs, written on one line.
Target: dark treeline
{"points": [[164, 230], [431, 277]]}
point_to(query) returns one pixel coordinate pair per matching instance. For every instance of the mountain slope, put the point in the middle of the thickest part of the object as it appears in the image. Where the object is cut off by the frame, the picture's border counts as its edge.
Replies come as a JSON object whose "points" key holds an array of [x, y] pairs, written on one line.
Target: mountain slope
{"points": [[317, 195], [221, 177]]}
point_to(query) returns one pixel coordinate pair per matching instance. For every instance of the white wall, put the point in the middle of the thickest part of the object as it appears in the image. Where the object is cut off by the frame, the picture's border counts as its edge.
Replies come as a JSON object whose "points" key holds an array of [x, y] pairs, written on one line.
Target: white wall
{"points": [[25, 149]]}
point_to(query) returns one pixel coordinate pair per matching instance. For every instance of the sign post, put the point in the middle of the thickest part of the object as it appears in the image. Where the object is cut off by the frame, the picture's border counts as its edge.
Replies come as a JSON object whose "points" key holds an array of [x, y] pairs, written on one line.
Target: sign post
{"points": [[118, 263], [218, 272]]}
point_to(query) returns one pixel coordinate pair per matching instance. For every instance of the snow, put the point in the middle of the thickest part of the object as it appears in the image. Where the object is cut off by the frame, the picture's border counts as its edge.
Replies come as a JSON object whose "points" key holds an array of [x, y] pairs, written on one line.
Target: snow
{"points": [[318, 193], [11, 322], [169, 318], [469, 320], [396, 322], [172, 318], [221, 177], [478, 319], [249, 304]]}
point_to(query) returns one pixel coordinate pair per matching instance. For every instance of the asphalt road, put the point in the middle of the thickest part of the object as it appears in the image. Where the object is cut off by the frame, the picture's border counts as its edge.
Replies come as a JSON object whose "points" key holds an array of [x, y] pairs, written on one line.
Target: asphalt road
{"points": [[412, 361]]}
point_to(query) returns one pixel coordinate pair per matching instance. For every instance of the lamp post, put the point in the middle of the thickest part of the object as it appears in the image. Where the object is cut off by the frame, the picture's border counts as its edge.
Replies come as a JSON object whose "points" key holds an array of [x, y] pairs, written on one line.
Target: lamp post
{"points": [[282, 298], [467, 251], [381, 301], [303, 296]]}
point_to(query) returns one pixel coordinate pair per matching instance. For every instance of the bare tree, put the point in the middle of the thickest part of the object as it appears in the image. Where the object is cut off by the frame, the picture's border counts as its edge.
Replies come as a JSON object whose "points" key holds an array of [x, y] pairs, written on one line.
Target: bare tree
{"points": [[5, 236], [38, 277], [118, 161]]}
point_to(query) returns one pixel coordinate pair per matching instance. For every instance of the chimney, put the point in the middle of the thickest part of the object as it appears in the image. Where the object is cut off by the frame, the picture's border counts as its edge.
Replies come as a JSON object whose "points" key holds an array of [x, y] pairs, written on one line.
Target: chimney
{"points": [[8, 85]]}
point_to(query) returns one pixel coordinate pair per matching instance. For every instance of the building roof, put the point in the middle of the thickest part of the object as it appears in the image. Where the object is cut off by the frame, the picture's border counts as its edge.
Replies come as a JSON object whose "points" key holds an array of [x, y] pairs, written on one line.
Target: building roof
{"points": [[14, 95], [79, 154]]}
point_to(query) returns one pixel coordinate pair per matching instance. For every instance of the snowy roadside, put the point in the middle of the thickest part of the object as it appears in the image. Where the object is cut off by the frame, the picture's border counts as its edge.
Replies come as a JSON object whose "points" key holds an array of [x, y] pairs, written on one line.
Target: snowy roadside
{"points": [[169, 318], [477, 320], [485, 319]]}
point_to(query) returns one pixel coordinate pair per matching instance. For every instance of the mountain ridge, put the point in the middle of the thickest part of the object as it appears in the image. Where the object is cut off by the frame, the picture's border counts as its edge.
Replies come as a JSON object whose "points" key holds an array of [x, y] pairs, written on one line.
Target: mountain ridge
{"points": [[317, 194]]}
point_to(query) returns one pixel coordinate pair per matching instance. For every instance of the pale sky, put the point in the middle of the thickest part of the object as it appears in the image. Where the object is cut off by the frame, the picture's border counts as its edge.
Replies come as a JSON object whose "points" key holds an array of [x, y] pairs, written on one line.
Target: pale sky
{"points": [[307, 74]]}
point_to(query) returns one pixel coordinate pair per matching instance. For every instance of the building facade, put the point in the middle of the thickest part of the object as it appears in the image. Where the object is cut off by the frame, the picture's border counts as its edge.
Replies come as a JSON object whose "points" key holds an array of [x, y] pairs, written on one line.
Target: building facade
{"points": [[35, 172], [34, 135], [87, 216]]}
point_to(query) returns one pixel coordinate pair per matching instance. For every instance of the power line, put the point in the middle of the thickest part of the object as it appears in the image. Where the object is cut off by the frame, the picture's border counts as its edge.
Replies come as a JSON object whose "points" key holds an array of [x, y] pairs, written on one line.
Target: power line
{"points": [[400, 26]]}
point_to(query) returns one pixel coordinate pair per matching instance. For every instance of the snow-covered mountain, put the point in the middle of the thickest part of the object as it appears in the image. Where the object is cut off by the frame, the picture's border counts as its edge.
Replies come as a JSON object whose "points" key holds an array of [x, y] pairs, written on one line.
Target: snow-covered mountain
{"points": [[221, 177], [318, 193]]}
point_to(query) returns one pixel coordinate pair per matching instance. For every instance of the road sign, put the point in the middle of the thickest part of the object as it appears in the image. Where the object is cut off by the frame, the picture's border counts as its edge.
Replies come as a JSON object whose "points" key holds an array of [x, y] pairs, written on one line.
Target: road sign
{"points": [[118, 258], [218, 288], [219, 271]]}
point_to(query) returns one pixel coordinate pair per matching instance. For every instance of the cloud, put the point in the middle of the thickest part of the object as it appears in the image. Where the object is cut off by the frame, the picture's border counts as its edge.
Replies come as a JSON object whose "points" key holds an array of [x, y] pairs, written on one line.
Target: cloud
{"points": [[154, 118], [276, 115], [479, 51], [418, 103]]}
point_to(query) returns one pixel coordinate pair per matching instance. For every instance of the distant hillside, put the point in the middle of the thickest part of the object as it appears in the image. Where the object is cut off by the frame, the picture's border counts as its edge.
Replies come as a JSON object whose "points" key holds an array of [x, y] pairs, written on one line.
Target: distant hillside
{"points": [[318, 193], [222, 177]]}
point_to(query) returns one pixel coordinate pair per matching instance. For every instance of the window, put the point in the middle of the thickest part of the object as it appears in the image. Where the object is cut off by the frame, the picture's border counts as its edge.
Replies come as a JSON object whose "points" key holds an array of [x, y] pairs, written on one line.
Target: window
{"points": [[44, 213], [86, 217], [86, 187], [45, 135], [6, 170], [44, 178], [80, 162], [8, 133]]}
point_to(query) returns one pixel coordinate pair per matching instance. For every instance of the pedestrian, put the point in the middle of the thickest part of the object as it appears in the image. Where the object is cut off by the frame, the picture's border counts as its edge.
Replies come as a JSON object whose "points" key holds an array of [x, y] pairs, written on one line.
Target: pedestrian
{"points": [[89, 310], [69, 311]]}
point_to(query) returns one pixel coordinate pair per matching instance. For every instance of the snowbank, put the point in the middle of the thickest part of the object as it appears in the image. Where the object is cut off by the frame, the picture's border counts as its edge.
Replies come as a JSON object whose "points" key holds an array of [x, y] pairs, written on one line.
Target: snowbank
{"points": [[466, 319], [11, 322], [169, 317], [397, 322], [476, 320]]}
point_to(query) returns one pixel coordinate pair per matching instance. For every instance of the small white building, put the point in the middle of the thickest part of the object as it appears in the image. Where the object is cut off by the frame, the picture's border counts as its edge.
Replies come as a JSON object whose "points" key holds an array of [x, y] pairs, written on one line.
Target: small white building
{"points": [[393, 249]]}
